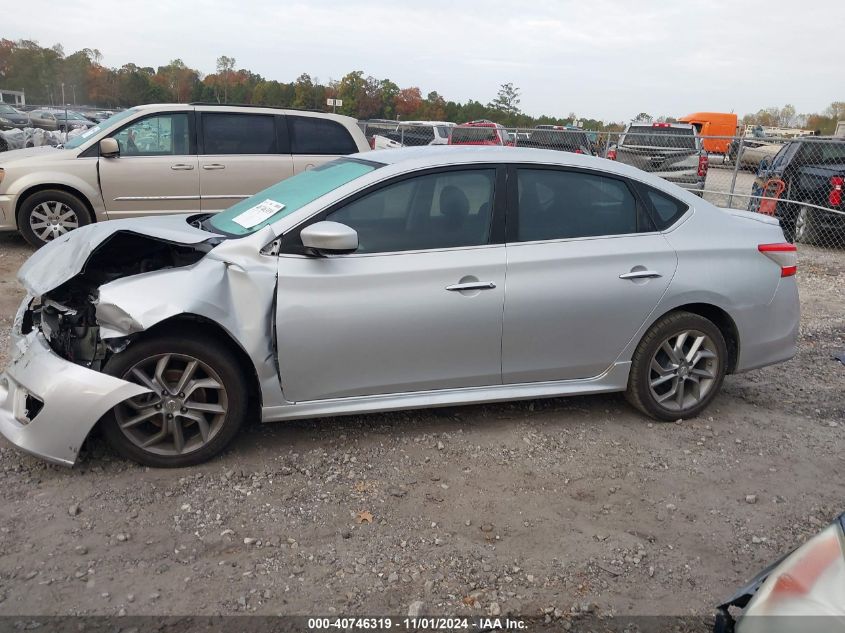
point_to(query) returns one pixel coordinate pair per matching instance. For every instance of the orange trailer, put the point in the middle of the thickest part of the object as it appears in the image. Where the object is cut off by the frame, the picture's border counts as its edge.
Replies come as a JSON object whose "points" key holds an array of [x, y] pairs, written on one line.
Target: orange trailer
{"points": [[713, 124]]}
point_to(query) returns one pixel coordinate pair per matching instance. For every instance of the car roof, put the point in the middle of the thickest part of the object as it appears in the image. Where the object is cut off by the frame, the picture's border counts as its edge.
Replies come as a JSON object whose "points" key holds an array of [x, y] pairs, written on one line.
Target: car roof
{"points": [[228, 107], [438, 155]]}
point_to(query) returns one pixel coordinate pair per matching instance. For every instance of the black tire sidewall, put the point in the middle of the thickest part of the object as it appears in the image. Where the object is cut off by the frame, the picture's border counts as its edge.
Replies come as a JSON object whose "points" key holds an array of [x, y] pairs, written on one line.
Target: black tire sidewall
{"points": [[641, 364], [220, 358], [49, 195], [810, 235]]}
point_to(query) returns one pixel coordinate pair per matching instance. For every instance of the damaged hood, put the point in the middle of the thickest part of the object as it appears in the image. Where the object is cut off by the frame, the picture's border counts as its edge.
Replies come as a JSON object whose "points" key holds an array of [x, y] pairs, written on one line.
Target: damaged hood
{"points": [[65, 257]]}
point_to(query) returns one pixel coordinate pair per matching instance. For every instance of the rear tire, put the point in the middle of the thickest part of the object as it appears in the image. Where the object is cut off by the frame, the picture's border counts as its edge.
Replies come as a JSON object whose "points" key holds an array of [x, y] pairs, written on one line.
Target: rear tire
{"points": [[678, 367], [805, 230], [198, 404], [48, 214]]}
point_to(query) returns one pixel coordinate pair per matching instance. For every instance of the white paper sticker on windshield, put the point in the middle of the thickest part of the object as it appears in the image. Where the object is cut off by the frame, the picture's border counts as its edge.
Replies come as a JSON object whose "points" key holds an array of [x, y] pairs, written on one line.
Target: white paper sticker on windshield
{"points": [[257, 214], [91, 131]]}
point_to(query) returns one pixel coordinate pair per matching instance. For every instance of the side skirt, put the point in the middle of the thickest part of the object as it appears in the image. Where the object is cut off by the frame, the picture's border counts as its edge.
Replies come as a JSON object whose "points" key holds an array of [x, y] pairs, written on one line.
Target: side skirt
{"points": [[614, 379]]}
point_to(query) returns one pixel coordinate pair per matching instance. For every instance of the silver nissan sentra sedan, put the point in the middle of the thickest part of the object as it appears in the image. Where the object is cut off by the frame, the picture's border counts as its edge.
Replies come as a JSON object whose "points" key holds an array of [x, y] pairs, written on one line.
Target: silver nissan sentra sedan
{"points": [[394, 279]]}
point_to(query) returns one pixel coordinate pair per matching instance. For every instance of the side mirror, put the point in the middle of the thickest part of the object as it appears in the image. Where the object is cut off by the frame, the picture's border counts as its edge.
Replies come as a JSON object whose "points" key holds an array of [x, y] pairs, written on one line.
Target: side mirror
{"points": [[765, 163], [329, 238], [109, 148]]}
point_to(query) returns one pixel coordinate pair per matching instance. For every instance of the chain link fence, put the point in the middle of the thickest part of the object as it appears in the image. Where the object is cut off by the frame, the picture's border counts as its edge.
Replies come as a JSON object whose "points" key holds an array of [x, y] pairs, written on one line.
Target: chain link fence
{"points": [[797, 180]]}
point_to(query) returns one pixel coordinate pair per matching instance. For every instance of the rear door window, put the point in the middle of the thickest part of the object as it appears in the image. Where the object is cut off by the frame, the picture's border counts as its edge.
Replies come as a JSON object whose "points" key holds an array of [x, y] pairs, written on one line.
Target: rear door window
{"points": [[564, 204], [233, 133], [314, 135]]}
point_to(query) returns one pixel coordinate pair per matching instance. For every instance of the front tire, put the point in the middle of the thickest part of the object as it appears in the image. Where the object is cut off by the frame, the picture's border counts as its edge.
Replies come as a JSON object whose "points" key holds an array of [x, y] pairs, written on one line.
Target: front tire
{"points": [[197, 405], [678, 367], [49, 214]]}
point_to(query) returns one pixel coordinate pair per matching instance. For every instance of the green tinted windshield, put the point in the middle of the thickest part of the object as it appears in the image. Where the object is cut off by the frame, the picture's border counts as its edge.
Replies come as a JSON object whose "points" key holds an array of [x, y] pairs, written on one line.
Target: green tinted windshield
{"points": [[287, 196]]}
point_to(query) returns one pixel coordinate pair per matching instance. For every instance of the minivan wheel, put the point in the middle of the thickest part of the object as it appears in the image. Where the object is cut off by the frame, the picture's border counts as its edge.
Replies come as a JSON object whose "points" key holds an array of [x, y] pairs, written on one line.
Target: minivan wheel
{"points": [[678, 367], [49, 214], [198, 401]]}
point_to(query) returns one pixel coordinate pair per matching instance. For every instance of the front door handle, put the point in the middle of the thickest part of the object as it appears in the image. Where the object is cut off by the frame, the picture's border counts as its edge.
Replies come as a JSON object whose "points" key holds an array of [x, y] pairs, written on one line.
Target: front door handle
{"points": [[181, 167], [471, 285], [640, 274], [214, 166]]}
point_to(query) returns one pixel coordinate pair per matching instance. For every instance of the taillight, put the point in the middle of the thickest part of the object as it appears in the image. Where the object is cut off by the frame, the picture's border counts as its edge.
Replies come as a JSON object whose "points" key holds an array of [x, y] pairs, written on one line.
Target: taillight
{"points": [[703, 164], [578, 151], [835, 195], [784, 255], [611, 154], [660, 125], [372, 142]]}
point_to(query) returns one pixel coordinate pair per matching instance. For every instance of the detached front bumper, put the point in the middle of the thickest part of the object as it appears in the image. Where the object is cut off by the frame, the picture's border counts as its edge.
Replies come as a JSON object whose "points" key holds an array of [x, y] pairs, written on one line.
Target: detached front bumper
{"points": [[48, 405]]}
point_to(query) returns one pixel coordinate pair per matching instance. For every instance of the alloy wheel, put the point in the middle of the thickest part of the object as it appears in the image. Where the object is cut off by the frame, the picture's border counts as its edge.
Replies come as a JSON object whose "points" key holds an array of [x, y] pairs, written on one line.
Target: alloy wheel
{"points": [[51, 219], [683, 370], [186, 409]]}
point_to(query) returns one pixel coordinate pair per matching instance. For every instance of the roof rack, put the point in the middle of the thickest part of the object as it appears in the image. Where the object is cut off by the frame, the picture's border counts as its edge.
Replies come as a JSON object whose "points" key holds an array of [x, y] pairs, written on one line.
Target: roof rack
{"points": [[252, 105]]}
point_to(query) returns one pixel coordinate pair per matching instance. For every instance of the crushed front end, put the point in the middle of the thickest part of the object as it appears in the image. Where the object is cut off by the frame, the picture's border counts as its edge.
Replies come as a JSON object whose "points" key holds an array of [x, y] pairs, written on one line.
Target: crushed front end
{"points": [[53, 392]]}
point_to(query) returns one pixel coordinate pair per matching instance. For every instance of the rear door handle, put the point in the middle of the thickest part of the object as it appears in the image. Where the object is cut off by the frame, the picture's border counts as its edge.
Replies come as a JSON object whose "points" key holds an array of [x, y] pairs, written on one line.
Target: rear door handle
{"points": [[181, 167], [640, 274], [471, 285], [214, 166]]}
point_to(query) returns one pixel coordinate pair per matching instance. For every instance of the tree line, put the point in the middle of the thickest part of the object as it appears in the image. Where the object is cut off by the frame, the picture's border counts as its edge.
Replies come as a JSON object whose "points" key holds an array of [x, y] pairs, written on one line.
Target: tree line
{"points": [[40, 72]]}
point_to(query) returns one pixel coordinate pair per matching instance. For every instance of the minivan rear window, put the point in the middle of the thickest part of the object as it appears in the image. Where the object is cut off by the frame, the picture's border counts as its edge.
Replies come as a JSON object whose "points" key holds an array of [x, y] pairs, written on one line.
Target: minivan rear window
{"points": [[313, 135], [669, 137]]}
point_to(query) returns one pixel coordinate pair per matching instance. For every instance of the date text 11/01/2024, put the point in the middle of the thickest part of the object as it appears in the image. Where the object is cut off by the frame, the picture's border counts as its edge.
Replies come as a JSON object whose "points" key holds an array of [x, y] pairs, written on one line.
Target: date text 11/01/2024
{"points": [[418, 624]]}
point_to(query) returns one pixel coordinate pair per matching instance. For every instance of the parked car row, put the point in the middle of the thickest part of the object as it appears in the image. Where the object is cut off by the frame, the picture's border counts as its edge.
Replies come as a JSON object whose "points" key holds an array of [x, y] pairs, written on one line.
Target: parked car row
{"points": [[673, 151], [50, 119]]}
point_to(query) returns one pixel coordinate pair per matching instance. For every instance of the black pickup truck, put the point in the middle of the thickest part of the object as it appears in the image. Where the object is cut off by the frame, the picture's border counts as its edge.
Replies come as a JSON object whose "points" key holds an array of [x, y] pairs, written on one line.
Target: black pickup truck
{"points": [[811, 207]]}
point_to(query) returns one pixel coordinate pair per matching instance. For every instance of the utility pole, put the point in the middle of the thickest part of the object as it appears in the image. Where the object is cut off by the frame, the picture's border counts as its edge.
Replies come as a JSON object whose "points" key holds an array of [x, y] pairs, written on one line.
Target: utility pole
{"points": [[64, 102]]}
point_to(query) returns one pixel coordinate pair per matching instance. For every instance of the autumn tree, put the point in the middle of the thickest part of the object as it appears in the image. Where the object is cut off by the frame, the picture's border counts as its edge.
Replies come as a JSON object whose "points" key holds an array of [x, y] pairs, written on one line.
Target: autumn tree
{"points": [[407, 102], [225, 66], [303, 92]]}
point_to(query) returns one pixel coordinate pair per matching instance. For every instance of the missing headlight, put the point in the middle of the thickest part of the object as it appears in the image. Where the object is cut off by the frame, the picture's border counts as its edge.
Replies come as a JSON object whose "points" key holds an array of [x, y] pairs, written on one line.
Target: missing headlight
{"points": [[32, 406]]}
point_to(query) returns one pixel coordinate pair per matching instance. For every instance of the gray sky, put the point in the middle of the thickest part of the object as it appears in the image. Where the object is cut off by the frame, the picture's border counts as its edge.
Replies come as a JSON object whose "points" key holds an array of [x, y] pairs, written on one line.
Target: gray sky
{"points": [[607, 59]]}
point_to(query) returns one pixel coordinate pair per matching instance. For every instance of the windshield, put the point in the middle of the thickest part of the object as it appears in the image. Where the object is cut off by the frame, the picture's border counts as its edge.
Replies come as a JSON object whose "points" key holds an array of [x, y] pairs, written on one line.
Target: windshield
{"points": [[287, 196], [7, 109], [669, 137], [103, 125]]}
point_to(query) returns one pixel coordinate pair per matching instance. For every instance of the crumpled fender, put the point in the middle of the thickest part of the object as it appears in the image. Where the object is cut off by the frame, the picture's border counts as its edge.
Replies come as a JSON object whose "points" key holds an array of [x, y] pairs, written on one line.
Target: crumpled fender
{"points": [[233, 285]]}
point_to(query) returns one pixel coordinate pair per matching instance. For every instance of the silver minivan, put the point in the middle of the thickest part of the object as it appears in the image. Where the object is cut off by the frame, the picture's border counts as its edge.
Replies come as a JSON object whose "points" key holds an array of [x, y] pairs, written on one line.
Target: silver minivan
{"points": [[160, 159]]}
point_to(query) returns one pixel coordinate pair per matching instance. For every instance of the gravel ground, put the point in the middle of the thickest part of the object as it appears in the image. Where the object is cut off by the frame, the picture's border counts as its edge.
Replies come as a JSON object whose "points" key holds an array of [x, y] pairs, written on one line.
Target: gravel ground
{"points": [[535, 507]]}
